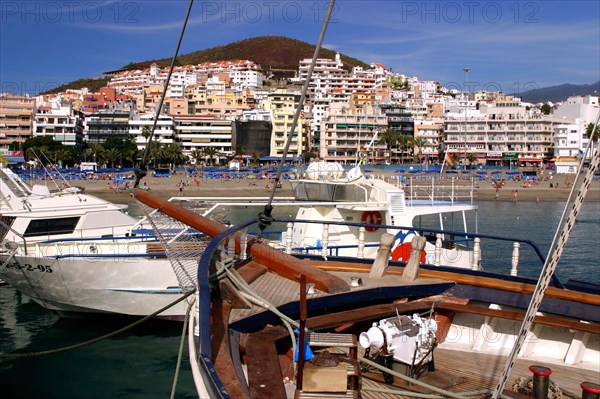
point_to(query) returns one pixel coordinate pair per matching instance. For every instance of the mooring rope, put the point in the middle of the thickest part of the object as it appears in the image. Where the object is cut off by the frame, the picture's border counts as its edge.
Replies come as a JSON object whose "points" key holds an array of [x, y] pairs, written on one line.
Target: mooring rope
{"points": [[181, 345], [95, 340]]}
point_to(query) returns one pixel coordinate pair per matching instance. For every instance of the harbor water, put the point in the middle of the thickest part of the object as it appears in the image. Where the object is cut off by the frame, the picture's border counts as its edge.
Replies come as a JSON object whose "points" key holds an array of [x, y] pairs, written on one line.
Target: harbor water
{"points": [[141, 363]]}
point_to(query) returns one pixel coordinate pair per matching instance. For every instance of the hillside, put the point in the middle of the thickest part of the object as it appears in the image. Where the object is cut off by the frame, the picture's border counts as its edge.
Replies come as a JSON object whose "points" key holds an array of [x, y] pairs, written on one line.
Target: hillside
{"points": [[559, 93], [270, 52], [94, 84]]}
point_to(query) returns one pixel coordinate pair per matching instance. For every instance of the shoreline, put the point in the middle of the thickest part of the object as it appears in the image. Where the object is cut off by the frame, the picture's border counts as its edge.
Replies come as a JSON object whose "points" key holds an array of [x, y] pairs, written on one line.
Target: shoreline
{"points": [[168, 187]]}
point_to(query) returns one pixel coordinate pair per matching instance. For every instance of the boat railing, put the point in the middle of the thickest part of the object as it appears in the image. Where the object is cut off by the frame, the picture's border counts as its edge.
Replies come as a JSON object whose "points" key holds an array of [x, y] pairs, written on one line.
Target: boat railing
{"points": [[455, 192], [80, 244], [202, 323], [14, 182], [433, 188], [442, 239]]}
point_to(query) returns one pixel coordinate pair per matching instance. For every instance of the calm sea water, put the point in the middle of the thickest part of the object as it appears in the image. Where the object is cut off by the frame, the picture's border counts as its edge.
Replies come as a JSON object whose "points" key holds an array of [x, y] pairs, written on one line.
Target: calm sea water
{"points": [[141, 363]]}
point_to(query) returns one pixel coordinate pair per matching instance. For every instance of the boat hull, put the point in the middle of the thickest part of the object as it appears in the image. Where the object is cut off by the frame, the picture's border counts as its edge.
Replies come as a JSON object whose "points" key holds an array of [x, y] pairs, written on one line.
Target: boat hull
{"points": [[135, 286]]}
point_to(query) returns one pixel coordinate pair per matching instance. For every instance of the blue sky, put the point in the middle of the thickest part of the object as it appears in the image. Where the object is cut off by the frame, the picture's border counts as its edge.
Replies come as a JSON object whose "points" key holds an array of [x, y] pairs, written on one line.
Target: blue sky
{"points": [[509, 45]]}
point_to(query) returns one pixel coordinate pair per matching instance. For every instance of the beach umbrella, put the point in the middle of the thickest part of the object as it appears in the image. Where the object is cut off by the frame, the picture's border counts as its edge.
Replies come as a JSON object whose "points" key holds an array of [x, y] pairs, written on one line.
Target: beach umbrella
{"points": [[482, 173], [496, 172]]}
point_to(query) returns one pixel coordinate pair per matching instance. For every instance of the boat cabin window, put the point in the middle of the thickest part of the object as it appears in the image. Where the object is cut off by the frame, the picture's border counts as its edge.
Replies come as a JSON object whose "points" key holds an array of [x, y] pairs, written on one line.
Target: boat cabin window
{"points": [[42, 227], [319, 191]]}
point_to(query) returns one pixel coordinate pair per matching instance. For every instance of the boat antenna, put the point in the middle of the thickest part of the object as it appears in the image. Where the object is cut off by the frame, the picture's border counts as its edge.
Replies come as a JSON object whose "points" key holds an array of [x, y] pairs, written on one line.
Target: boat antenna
{"points": [[46, 171], [264, 217], [141, 170], [556, 249]]}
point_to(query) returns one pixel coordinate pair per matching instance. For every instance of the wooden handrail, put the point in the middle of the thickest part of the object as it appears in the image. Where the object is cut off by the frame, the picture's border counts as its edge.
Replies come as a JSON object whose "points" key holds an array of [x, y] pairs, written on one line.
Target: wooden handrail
{"points": [[478, 281]]}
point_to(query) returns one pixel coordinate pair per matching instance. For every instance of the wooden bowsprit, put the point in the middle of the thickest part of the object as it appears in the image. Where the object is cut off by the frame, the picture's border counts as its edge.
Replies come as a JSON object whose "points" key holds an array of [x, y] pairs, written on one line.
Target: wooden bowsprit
{"points": [[273, 259]]}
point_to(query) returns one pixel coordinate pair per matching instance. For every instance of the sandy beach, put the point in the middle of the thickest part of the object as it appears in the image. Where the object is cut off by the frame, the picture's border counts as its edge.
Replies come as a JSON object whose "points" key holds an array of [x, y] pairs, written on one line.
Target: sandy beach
{"points": [[167, 187]]}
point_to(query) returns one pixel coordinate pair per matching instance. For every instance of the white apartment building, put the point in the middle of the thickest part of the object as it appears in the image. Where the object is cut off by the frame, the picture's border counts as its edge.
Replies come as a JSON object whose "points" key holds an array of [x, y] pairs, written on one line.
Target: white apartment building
{"points": [[283, 107], [16, 118], [257, 115], [432, 133], [500, 133], [60, 123], [198, 132], [324, 68], [568, 146], [344, 131], [246, 79], [243, 74], [584, 108], [164, 132]]}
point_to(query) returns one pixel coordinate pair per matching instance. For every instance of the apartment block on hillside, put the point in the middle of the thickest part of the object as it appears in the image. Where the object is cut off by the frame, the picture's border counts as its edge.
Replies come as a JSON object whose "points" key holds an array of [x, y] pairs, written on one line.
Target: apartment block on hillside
{"points": [[60, 123], [16, 118], [344, 131]]}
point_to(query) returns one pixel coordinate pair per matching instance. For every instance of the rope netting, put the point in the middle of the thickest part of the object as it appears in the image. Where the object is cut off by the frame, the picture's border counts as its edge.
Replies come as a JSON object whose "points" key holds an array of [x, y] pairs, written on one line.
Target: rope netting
{"points": [[182, 245]]}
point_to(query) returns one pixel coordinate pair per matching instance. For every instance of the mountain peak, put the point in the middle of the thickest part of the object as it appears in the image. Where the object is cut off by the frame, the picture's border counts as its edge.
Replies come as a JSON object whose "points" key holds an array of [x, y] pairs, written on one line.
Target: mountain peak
{"points": [[270, 52]]}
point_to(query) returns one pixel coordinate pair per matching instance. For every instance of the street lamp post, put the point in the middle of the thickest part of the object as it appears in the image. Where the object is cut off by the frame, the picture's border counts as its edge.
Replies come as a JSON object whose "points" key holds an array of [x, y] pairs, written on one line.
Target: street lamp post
{"points": [[466, 70]]}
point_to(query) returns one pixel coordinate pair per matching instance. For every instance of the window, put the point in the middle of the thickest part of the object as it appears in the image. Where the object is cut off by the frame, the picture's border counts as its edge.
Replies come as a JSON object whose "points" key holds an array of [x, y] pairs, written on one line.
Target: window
{"points": [[42, 227]]}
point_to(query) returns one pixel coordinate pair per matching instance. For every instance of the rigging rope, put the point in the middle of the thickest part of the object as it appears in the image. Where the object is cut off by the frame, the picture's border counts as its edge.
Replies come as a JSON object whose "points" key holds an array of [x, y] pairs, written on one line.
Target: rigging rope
{"points": [[555, 252], [98, 339], [264, 218], [140, 171], [181, 345]]}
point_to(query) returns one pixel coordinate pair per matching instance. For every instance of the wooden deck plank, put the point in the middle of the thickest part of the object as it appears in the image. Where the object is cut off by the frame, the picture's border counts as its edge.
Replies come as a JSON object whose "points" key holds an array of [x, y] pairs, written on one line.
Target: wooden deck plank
{"points": [[264, 374], [475, 371]]}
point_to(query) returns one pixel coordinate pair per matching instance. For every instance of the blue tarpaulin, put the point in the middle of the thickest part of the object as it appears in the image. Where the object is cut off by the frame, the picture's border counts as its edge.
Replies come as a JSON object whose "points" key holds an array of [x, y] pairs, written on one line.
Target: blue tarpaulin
{"points": [[13, 160]]}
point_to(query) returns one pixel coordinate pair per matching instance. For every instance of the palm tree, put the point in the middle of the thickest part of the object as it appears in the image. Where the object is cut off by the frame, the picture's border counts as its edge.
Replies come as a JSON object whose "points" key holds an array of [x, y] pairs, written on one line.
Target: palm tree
{"points": [[405, 141], [471, 158], [97, 151], [593, 135], [239, 151], [146, 132], [112, 155], [130, 154], [34, 152], [255, 157], [63, 154], [210, 152], [419, 143], [174, 154], [197, 154], [389, 137], [156, 152]]}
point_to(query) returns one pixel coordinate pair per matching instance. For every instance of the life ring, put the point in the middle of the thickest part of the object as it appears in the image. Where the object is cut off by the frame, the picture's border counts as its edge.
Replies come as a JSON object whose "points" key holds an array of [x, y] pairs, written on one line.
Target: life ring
{"points": [[371, 217]]}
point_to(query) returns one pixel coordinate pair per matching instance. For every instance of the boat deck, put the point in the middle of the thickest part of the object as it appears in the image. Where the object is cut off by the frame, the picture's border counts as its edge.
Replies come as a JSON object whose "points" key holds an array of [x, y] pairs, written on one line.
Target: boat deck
{"points": [[472, 371], [278, 291]]}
